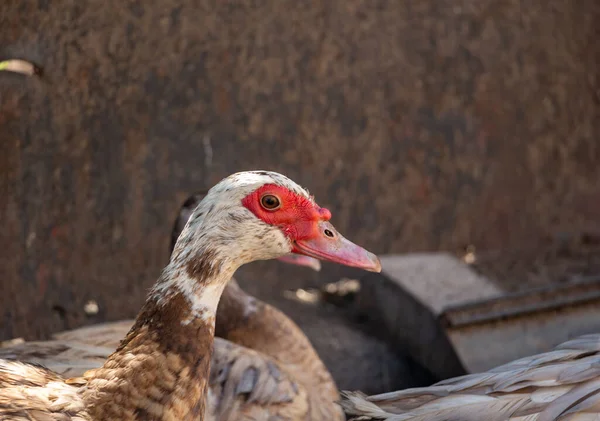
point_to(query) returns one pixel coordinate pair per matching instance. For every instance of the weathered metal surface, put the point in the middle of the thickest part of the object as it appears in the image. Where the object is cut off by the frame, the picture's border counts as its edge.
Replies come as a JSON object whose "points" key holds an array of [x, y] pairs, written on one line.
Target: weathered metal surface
{"points": [[494, 332], [438, 280], [469, 322], [408, 297], [422, 124], [553, 297]]}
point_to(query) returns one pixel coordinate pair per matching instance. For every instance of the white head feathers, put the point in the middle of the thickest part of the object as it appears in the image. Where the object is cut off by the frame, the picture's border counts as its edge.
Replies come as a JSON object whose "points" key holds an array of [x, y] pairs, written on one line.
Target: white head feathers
{"points": [[223, 234]]}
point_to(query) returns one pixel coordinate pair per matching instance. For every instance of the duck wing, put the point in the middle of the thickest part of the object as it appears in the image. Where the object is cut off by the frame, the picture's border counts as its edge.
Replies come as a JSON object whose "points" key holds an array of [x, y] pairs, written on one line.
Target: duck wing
{"points": [[247, 385], [563, 384]]}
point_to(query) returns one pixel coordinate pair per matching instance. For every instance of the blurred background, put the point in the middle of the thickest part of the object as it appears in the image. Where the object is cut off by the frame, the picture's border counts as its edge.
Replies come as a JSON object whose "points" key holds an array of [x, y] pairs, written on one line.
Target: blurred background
{"points": [[423, 125]]}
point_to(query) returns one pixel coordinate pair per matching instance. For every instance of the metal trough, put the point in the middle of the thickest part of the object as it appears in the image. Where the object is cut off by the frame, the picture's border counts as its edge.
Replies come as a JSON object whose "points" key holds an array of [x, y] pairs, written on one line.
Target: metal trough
{"points": [[453, 320]]}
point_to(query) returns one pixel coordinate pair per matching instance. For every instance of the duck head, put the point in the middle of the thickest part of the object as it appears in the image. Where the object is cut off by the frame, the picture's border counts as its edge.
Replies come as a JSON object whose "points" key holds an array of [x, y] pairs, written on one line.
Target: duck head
{"points": [[260, 215]]}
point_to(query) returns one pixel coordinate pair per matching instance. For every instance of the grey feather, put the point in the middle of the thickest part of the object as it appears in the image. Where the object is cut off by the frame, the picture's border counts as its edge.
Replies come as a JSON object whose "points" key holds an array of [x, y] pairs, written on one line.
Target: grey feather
{"points": [[559, 385]]}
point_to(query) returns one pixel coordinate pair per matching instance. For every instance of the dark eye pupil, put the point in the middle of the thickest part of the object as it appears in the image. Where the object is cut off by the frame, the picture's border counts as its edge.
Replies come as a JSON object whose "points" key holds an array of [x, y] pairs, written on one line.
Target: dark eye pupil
{"points": [[270, 202]]}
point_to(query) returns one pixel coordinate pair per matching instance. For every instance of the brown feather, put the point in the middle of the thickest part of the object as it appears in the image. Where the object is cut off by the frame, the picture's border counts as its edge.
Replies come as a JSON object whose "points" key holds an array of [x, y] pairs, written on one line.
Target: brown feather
{"points": [[166, 363], [31, 393]]}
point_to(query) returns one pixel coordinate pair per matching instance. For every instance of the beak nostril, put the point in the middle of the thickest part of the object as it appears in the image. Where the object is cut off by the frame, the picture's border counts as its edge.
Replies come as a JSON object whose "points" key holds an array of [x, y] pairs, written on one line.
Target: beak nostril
{"points": [[328, 233]]}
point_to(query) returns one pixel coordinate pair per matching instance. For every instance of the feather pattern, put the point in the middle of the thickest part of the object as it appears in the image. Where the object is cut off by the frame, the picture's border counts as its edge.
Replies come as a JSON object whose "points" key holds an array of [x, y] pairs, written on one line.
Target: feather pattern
{"points": [[244, 384], [42, 389], [250, 386], [270, 372], [559, 385]]}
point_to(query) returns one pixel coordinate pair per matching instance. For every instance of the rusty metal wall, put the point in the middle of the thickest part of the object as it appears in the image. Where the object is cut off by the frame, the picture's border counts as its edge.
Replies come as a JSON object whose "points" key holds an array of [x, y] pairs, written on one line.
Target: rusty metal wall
{"points": [[423, 124]]}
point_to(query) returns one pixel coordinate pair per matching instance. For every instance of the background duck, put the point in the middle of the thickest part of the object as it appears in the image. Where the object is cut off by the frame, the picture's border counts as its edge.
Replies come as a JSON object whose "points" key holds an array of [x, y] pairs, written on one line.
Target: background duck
{"points": [[161, 368]]}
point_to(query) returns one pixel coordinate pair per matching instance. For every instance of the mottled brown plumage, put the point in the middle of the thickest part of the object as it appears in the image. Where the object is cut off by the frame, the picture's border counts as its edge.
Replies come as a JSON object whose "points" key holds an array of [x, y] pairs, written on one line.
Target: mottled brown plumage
{"points": [[270, 370], [159, 372], [32, 393], [166, 364], [560, 385]]}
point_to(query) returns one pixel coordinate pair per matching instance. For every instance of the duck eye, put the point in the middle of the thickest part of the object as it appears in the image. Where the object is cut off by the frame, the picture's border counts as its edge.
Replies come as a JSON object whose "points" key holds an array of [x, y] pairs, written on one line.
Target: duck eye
{"points": [[270, 202]]}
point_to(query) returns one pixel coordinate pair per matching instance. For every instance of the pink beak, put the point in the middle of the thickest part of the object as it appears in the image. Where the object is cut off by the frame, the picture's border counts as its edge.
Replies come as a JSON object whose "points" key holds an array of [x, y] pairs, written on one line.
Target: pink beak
{"points": [[301, 260], [330, 245]]}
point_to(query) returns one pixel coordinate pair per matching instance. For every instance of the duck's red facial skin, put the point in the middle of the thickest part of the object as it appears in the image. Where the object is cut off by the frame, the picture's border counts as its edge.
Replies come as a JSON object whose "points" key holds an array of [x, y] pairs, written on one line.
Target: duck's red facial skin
{"points": [[306, 225], [296, 216]]}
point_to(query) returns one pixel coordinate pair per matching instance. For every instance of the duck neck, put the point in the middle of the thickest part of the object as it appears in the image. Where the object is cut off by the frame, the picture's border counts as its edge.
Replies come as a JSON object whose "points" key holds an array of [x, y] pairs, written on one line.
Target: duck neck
{"points": [[250, 322], [161, 369]]}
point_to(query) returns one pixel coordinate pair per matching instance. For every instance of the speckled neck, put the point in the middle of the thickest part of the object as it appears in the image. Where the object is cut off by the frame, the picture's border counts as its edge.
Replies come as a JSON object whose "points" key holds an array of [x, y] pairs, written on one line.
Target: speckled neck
{"points": [[199, 279], [203, 260], [161, 369]]}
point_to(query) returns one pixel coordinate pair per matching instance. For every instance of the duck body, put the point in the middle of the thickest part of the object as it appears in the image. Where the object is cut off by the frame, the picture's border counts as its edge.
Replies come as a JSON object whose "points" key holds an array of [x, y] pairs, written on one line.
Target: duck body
{"points": [[262, 367], [151, 376], [160, 370], [243, 384], [560, 385]]}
